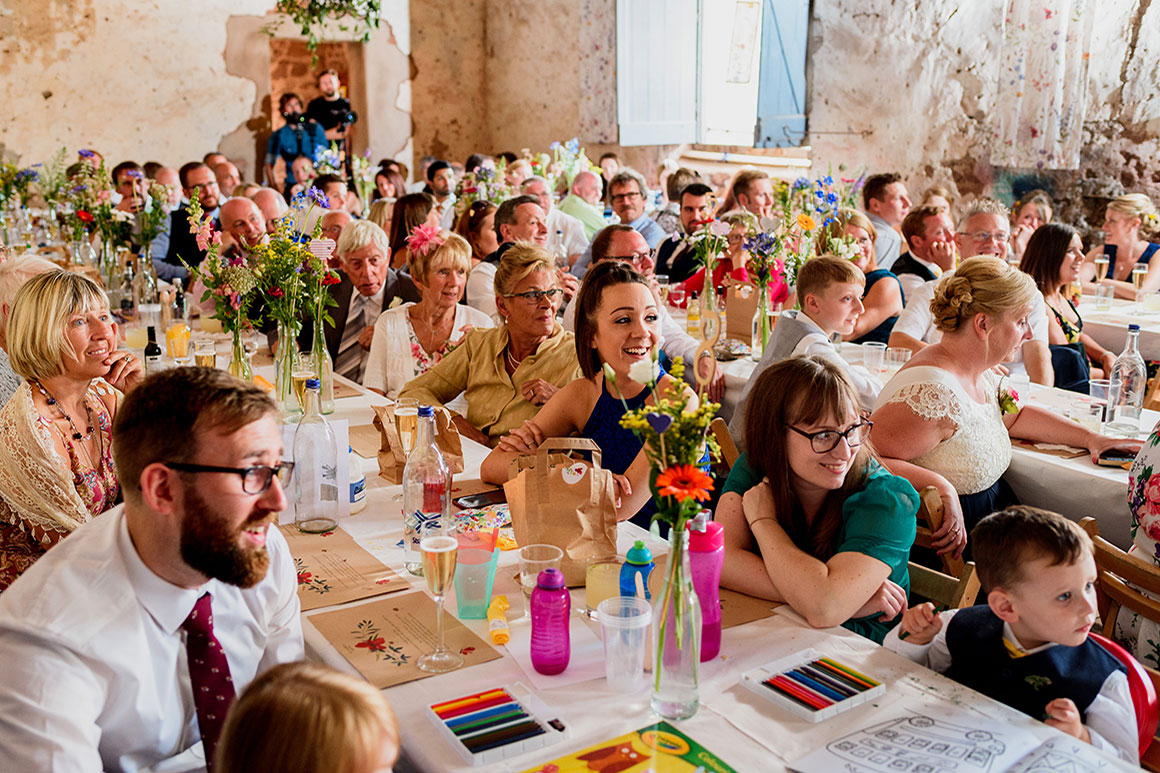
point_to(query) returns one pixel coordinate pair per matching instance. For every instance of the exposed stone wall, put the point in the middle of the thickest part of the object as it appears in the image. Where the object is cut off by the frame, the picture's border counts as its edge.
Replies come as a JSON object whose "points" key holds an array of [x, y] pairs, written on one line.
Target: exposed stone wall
{"points": [[169, 81]]}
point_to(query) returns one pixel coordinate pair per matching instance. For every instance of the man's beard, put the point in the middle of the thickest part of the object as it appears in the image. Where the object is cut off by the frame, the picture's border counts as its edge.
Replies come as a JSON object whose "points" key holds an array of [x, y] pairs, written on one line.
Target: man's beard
{"points": [[211, 547]]}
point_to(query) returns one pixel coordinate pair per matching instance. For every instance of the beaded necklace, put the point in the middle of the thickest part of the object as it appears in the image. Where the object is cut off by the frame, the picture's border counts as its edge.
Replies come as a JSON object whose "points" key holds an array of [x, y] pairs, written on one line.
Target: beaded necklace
{"points": [[48, 398]]}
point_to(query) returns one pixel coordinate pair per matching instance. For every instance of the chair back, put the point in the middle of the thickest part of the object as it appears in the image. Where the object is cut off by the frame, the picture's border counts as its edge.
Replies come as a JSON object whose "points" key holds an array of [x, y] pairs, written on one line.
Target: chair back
{"points": [[1121, 582], [1142, 688], [729, 452], [943, 589], [930, 519]]}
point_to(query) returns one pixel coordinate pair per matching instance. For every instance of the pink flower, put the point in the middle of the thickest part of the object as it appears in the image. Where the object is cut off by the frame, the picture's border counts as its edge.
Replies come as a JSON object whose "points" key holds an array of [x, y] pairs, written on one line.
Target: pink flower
{"points": [[235, 301], [1152, 494], [276, 292], [423, 238], [104, 196]]}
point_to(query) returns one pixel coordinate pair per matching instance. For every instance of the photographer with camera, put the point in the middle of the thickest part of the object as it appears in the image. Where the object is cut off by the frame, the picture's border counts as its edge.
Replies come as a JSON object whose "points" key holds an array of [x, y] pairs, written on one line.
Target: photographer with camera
{"points": [[299, 137], [331, 110]]}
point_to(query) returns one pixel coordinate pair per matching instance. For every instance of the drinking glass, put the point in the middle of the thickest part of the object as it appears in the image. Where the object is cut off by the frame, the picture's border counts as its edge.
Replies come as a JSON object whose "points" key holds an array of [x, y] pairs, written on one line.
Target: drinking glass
{"points": [[601, 581], [305, 368], [1138, 274], [1104, 394], [205, 353], [533, 560], [1087, 414], [177, 341], [439, 548], [663, 286], [1101, 268], [1104, 295], [676, 295], [896, 357], [407, 422], [874, 357]]}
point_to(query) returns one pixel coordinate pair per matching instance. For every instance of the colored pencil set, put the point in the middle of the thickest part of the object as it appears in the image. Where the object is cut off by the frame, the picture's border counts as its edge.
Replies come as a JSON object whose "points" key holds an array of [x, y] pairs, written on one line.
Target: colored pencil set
{"points": [[494, 725], [813, 687]]}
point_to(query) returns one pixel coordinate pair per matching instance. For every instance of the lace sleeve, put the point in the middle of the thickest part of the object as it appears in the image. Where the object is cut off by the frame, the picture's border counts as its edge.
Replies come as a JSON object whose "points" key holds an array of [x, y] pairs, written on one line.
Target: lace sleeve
{"points": [[931, 401]]}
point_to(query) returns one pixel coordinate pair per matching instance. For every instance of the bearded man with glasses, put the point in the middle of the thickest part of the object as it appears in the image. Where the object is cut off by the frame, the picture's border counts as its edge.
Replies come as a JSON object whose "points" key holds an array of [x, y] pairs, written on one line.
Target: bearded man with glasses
{"points": [[135, 633]]}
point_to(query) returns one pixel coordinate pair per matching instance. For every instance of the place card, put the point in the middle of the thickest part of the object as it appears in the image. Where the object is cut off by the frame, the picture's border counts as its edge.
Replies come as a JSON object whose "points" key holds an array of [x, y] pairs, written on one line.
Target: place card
{"points": [[384, 639], [332, 569], [1051, 449]]}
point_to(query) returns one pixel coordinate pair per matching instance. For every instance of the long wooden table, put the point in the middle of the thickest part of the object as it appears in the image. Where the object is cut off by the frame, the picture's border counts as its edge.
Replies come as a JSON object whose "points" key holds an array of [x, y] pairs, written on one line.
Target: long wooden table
{"points": [[747, 733]]}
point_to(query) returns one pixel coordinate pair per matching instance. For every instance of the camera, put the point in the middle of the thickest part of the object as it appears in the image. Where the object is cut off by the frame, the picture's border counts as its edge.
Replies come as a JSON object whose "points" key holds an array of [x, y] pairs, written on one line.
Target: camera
{"points": [[294, 118], [350, 117]]}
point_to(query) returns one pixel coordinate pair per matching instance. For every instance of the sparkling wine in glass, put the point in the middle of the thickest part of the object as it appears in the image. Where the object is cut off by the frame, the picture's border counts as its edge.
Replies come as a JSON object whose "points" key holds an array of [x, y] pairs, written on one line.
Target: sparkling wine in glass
{"points": [[1101, 268], [407, 422], [1138, 274], [439, 548]]}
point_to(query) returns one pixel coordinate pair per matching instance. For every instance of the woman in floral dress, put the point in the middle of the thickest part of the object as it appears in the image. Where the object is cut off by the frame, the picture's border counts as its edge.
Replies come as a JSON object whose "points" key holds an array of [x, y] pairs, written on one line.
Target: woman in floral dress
{"points": [[412, 337]]}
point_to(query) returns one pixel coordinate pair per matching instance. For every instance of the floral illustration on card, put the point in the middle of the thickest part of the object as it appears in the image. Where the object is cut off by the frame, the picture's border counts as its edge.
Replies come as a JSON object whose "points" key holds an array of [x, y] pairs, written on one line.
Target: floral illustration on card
{"points": [[310, 580], [370, 639]]}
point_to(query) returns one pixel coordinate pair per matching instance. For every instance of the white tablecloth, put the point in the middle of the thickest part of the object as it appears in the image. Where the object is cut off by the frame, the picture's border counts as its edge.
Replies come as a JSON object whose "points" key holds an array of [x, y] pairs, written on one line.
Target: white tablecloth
{"points": [[1110, 328], [745, 732]]}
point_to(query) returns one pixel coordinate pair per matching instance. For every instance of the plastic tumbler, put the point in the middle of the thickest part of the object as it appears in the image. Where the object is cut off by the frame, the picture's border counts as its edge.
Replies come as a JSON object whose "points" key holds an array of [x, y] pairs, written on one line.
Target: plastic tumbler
{"points": [[624, 624], [475, 573]]}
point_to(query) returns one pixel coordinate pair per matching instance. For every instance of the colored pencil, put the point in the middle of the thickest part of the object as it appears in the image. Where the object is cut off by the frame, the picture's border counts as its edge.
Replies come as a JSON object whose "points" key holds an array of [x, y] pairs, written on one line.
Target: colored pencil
{"points": [[477, 706], [470, 727], [852, 672], [439, 708], [495, 726], [503, 737], [813, 684], [793, 687], [937, 610], [829, 681], [838, 673], [787, 694]]}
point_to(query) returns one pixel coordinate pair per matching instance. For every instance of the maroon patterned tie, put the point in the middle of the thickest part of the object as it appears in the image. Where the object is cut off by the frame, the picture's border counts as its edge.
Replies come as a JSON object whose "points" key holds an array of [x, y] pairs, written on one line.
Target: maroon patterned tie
{"points": [[209, 674]]}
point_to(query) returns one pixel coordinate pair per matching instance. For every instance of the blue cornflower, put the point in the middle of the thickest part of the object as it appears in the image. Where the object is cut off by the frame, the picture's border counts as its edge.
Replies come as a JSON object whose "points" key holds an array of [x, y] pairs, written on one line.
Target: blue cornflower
{"points": [[832, 198], [828, 180], [573, 145], [135, 174], [79, 188], [800, 183], [555, 144], [83, 153], [318, 197]]}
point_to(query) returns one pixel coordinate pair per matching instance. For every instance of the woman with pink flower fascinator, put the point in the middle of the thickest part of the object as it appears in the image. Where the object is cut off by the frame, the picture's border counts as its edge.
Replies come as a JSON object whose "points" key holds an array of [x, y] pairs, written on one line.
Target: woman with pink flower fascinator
{"points": [[412, 337]]}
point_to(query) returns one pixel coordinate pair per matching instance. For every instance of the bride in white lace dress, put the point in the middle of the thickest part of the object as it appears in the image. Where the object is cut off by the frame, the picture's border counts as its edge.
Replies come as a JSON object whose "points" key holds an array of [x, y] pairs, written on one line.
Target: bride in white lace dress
{"points": [[942, 410]]}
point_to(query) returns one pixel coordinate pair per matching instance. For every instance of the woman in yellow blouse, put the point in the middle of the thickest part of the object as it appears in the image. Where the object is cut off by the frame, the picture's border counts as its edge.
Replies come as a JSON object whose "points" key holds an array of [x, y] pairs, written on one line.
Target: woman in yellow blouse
{"points": [[506, 373]]}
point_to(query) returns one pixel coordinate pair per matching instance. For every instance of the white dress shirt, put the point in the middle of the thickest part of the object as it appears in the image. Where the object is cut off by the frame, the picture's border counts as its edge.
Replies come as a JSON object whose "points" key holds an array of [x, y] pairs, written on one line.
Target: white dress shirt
{"points": [[481, 289], [565, 234], [446, 212], [888, 245], [95, 674], [1111, 720]]}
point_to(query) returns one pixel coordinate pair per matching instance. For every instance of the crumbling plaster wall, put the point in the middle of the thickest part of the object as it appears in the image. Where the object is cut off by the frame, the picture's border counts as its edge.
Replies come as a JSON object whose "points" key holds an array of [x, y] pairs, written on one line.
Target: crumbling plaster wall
{"points": [[910, 87], [168, 81]]}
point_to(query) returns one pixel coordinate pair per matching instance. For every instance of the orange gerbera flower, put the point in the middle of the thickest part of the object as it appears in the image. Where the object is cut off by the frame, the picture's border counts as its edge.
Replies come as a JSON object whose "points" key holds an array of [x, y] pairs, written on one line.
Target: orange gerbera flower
{"points": [[806, 223], [684, 481]]}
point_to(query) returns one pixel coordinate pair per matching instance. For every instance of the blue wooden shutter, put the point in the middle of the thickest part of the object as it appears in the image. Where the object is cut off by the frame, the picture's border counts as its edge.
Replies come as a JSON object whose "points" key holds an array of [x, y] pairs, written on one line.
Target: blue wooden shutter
{"points": [[781, 100]]}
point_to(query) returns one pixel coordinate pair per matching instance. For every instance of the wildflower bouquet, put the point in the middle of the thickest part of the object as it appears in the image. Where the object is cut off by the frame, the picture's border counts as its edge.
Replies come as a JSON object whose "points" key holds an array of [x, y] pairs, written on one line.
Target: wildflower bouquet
{"points": [[569, 160], [363, 177], [675, 435], [230, 282], [483, 184], [53, 182], [15, 183], [328, 160]]}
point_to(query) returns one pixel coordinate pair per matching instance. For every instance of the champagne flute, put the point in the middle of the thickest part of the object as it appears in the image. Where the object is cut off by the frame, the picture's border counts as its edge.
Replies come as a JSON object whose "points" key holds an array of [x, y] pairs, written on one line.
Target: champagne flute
{"points": [[1101, 268], [663, 288], [407, 422], [304, 369], [439, 548], [1138, 274]]}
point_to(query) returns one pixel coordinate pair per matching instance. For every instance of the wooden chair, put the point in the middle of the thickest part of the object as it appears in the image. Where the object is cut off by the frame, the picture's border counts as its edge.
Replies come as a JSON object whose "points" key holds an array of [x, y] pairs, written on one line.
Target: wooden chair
{"points": [[943, 589], [1152, 395], [729, 452], [930, 519], [1115, 569]]}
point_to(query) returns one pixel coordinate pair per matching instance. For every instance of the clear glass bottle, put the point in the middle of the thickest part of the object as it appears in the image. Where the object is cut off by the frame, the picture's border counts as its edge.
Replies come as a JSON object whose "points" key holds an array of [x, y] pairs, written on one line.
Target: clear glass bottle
{"points": [[145, 283], [693, 318], [426, 489], [1132, 374], [315, 469]]}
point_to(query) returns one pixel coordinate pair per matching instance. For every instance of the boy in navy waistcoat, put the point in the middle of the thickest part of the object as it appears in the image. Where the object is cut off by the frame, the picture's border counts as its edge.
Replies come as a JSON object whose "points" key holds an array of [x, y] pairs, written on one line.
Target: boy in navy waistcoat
{"points": [[1028, 646]]}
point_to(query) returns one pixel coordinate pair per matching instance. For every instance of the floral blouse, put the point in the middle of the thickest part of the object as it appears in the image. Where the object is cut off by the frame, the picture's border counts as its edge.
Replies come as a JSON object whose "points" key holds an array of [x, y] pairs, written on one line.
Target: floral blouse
{"points": [[1140, 636]]}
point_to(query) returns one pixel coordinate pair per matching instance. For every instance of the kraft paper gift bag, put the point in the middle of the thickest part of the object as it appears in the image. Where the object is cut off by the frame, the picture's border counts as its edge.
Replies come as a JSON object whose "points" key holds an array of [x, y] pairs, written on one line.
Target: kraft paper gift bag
{"points": [[392, 454], [557, 500], [740, 306]]}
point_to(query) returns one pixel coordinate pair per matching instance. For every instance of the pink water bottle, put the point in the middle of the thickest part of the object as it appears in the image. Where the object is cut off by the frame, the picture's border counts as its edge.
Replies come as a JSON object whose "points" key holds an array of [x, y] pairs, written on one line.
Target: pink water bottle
{"points": [[551, 607], [706, 557]]}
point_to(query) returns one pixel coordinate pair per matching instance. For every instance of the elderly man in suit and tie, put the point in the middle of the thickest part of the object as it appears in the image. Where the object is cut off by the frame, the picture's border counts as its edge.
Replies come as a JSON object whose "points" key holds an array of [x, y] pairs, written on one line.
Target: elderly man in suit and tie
{"points": [[368, 287]]}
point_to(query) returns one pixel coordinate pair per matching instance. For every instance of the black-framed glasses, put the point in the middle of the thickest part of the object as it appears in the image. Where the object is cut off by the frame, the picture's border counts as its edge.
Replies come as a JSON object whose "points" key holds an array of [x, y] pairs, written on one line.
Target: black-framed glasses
{"points": [[255, 480], [533, 297], [626, 196], [635, 259], [827, 440]]}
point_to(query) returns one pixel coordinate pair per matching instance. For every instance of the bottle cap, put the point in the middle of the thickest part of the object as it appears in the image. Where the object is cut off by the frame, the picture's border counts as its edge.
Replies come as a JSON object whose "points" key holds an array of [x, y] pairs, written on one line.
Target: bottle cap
{"points": [[712, 538], [312, 383], [426, 410], [551, 579], [639, 554], [1133, 327]]}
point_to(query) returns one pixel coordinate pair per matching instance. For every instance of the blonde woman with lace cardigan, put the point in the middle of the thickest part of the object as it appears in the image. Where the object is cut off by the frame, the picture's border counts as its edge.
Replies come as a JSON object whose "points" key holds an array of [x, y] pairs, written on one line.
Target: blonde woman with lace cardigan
{"points": [[56, 461], [943, 411], [412, 337]]}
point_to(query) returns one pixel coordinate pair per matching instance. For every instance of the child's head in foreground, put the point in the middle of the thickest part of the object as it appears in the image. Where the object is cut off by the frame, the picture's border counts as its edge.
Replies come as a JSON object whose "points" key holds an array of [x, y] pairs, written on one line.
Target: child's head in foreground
{"points": [[307, 718], [830, 290], [1039, 573]]}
